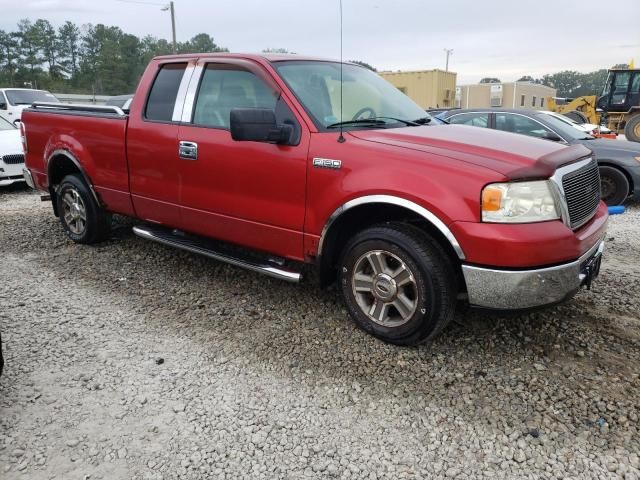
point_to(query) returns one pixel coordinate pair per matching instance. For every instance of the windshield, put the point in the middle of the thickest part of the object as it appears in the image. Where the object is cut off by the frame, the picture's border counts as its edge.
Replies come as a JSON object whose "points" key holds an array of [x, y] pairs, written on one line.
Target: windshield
{"points": [[365, 95], [562, 118], [565, 130], [27, 97], [6, 125]]}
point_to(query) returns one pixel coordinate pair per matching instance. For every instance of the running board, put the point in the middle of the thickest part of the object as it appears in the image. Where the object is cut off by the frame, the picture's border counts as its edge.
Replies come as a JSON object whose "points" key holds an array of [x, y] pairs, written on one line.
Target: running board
{"points": [[217, 251]]}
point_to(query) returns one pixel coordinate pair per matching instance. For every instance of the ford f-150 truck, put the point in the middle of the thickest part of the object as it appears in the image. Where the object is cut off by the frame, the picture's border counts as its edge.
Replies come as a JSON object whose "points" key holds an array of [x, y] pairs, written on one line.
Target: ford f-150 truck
{"points": [[274, 163]]}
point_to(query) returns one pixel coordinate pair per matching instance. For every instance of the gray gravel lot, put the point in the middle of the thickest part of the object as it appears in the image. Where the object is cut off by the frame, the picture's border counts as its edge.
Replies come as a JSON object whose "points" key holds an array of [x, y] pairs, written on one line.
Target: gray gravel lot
{"points": [[133, 360]]}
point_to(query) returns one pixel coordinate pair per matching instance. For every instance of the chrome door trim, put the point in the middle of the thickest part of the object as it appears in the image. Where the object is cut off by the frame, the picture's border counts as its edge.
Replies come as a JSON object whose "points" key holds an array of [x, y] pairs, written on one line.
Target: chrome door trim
{"points": [[178, 107], [188, 150], [392, 200], [191, 91]]}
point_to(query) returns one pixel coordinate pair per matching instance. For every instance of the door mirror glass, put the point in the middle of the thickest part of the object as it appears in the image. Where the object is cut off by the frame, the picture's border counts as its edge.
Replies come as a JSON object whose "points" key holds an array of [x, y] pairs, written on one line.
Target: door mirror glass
{"points": [[3, 105], [554, 137], [258, 125]]}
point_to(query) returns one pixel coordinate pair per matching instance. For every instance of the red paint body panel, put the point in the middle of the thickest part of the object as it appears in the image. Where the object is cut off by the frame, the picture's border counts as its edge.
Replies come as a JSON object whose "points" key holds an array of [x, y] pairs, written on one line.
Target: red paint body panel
{"points": [[98, 143], [528, 245], [270, 198]]}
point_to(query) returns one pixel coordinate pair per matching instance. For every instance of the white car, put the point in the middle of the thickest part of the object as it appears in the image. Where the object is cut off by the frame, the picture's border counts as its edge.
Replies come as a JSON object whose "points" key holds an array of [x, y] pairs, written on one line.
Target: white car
{"points": [[589, 128], [14, 100], [11, 154]]}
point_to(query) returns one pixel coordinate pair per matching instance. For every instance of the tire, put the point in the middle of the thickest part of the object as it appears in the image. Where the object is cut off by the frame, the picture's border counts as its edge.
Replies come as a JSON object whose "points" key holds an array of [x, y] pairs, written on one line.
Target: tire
{"points": [[576, 116], [83, 220], [632, 128], [614, 185], [398, 283]]}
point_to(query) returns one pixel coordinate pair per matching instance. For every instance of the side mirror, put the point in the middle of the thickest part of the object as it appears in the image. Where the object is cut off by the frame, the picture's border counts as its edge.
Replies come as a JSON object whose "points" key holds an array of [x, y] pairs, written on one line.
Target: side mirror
{"points": [[258, 125], [554, 137], [3, 105]]}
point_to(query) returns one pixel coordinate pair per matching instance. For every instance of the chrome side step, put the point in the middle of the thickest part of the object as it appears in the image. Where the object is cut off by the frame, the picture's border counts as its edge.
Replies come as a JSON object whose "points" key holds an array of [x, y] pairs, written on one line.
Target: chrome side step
{"points": [[217, 251]]}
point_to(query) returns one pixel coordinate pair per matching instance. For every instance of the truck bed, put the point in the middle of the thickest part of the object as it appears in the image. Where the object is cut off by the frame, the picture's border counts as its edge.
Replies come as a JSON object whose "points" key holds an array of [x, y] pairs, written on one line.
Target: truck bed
{"points": [[94, 135]]}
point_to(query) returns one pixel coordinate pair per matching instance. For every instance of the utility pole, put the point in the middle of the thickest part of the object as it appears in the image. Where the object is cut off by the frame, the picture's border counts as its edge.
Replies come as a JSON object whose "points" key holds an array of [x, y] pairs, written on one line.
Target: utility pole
{"points": [[173, 23], [449, 52]]}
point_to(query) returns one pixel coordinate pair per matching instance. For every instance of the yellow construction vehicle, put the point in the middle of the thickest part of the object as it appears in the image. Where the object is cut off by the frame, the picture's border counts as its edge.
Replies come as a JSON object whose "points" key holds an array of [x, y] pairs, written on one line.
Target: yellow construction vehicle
{"points": [[619, 103]]}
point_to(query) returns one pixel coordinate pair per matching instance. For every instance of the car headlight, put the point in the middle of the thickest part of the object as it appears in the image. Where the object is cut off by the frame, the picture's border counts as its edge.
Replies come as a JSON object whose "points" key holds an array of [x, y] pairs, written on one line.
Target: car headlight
{"points": [[519, 202]]}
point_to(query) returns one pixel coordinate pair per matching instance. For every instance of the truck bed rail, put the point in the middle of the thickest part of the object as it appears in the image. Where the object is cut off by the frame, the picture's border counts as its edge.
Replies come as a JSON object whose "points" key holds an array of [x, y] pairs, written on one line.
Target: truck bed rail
{"points": [[74, 107]]}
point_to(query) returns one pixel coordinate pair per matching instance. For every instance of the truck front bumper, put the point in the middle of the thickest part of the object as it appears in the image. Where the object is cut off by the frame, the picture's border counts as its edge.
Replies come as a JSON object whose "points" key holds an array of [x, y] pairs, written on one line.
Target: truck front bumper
{"points": [[503, 289]]}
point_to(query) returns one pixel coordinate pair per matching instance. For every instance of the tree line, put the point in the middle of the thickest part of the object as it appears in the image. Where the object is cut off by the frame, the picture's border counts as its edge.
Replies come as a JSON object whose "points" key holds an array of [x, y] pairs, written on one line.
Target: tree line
{"points": [[104, 60], [568, 83], [94, 59]]}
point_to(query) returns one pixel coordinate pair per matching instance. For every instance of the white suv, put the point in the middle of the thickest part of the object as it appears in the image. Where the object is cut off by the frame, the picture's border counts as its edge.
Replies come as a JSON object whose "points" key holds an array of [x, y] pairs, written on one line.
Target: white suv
{"points": [[14, 100], [11, 154]]}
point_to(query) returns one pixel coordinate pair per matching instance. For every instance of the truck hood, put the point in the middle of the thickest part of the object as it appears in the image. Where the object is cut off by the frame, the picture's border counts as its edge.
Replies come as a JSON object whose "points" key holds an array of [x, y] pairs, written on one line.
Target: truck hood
{"points": [[514, 156]]}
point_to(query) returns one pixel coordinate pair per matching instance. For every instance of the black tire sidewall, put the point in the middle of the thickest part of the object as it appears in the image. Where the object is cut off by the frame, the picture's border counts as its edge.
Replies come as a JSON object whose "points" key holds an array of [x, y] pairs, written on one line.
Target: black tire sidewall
{"points": [[621, 182], [92, 209], [421, 325], [630, 127]]}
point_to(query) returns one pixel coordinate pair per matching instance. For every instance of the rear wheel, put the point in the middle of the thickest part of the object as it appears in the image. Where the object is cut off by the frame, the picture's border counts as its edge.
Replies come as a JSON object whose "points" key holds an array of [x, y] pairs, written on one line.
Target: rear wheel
{"points": [[576, 116], [632, 128], [614, 185], [83, 220], [398, 283]]}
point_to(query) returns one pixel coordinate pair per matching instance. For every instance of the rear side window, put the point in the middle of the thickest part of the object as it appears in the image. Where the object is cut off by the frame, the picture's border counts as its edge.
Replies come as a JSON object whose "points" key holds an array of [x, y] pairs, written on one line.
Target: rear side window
{"points": [[479, 119], [164, 91]]}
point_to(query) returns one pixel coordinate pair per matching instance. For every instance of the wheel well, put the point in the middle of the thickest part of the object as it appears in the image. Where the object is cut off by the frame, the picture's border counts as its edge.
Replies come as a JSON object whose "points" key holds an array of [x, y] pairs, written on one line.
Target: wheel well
{"points": [[59, 167], [622, 170], [361, 217]]}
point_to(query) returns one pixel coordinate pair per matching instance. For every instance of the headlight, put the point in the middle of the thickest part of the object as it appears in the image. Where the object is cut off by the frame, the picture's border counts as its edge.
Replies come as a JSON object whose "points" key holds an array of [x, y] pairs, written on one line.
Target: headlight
{"points": [[519, 202]]}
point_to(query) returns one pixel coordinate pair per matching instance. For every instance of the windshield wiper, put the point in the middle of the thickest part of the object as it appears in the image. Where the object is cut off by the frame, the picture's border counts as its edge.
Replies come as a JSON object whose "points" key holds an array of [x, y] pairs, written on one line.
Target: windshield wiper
{"points": [[406, 122], [422, 120], [365, 122]]}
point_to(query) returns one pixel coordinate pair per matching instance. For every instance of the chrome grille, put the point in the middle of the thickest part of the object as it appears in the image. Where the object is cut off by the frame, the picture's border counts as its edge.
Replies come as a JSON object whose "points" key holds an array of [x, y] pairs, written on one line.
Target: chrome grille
{"points": [[13, 159], [582, 192]]}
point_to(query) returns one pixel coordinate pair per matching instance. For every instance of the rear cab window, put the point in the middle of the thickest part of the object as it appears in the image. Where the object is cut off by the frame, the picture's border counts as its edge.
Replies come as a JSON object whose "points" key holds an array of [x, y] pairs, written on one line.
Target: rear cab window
{"points": [[164, 92]]}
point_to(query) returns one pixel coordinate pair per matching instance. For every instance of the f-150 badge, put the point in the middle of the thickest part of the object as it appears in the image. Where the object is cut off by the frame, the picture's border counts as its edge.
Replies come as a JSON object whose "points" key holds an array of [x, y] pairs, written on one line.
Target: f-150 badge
{"points": [[327, 163]]}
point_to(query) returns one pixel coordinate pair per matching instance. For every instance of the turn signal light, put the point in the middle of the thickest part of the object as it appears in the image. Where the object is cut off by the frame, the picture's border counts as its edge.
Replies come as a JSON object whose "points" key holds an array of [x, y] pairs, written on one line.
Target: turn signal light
{"points": [[491, 199]]}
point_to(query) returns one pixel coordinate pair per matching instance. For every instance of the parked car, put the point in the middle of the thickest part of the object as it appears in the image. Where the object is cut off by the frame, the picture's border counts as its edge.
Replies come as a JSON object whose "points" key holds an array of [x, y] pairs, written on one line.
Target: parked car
{"points": [[251, 160], [120, 101], [619, 160], [14, 100], [11, 154], [589, 128]]}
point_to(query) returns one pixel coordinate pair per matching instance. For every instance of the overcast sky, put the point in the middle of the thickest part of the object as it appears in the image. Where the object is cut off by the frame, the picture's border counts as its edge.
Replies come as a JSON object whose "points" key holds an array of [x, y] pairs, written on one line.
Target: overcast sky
{"points": [[502, 38]]}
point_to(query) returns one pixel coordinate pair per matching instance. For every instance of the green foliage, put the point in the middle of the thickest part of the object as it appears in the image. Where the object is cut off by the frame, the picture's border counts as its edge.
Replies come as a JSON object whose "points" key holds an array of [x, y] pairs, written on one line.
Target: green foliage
{"points": [[90, 59], [276, 50], [490, 80], [364, 64], [573, 84]]}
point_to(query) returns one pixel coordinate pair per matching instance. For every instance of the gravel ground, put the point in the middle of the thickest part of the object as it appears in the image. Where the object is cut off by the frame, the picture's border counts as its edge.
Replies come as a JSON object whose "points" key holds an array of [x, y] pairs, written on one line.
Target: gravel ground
{"points": [[133, 360]]}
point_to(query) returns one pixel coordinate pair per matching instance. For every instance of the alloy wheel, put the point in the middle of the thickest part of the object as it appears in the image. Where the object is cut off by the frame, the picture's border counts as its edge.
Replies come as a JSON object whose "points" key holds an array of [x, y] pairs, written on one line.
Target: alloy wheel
{"points": [[74, 211], [385, 288]]}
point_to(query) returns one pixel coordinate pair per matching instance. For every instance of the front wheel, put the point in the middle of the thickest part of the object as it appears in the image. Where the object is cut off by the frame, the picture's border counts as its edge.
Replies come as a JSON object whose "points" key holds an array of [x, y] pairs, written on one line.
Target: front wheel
{"points": [[398, 283], [83, 219], [614, 185]]}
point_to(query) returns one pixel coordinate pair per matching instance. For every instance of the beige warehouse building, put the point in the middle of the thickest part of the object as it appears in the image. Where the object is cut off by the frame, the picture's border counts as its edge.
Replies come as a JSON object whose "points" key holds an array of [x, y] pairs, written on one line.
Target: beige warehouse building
{"points": [[505, 95], [428, 88]]}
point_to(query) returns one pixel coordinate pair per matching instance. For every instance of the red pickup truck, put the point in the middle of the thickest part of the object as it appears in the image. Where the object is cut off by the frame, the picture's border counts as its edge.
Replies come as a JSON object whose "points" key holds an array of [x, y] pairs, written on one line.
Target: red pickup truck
{"points": [[274, 163]]}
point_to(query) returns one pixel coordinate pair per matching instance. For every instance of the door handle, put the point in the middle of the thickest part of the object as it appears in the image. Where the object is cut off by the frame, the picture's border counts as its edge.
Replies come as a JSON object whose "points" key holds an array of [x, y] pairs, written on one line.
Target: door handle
{"points": [[188, 150]]}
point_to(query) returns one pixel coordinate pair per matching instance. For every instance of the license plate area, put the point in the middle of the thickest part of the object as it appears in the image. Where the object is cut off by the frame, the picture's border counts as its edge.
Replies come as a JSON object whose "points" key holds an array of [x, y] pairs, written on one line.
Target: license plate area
{"points": [[591, 269]]}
